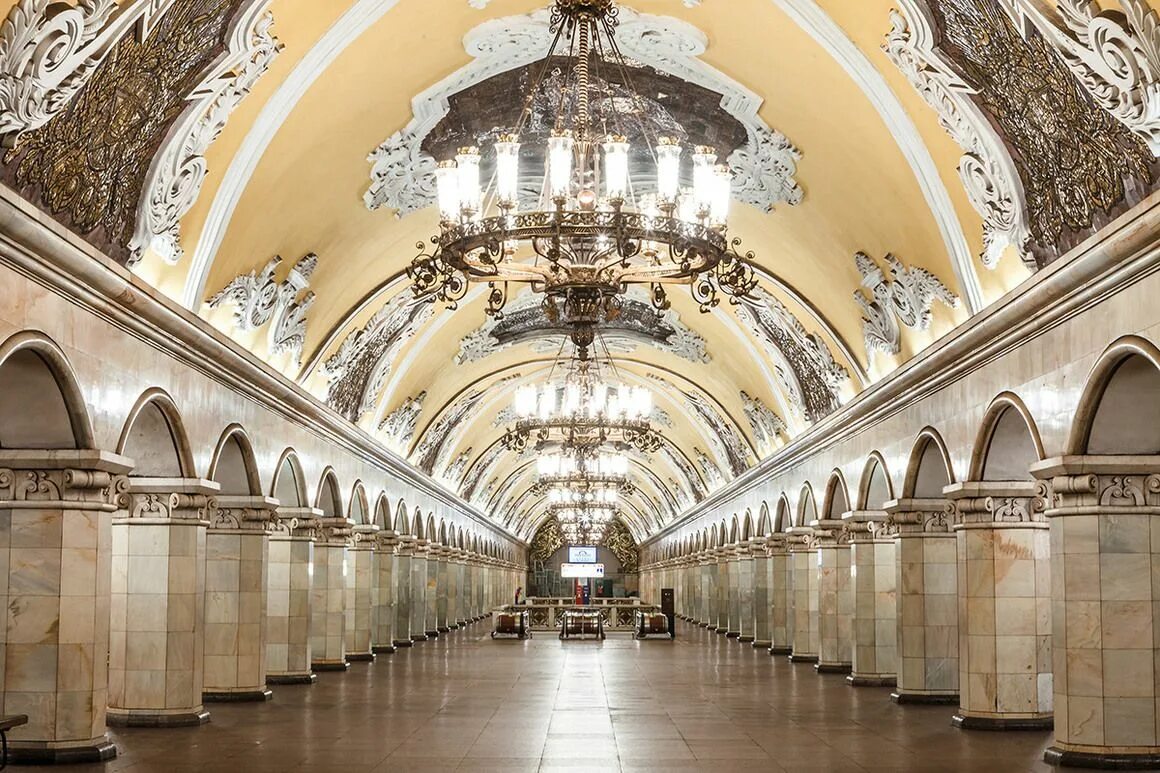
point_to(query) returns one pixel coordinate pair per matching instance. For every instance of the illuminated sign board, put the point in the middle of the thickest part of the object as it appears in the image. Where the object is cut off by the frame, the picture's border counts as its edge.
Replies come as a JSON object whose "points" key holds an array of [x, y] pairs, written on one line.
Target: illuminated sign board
{"points": [[581, 570], [582, 554]]}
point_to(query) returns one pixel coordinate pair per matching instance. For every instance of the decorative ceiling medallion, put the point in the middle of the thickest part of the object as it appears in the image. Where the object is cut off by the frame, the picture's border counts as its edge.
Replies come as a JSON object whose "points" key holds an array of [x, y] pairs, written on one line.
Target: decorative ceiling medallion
{"points": [[49, 50], [179, 169], [403, 171], [906, 297], [524, 320], [357, 372], [88, 166], [767, 426], [817, 378], [398, 427], [258, 299]]}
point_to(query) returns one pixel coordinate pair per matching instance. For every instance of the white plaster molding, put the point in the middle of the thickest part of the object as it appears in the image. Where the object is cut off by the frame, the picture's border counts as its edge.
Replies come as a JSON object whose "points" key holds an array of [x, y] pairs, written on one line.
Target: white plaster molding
{"points": [[988, 174], [398, 427], [1114, 54], [767, 425], [49, 50], [179, 168], [402, 175], [257, 299], [351, 25], [906, 298], [825, 31]]}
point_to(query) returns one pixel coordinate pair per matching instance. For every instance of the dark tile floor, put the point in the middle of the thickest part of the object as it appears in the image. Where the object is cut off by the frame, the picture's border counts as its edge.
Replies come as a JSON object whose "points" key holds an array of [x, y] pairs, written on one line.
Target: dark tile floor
{"points": [[468, 703]]}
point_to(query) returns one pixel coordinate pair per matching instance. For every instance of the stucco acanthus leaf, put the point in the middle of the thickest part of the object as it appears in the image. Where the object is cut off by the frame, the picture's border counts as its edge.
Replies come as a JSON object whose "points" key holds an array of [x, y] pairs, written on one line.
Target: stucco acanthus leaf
{"points": [[985, 168], [713, 475], [767, 425], [453, 474], [905, 297], [434, 449], [179, 169], [398, 427], [765, 166], [49, 50], [259, 299]]}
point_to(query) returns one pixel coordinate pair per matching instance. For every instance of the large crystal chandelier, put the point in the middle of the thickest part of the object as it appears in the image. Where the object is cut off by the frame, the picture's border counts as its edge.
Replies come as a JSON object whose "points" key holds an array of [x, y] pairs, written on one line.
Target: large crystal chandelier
{"points": [[590, 233], [603, 468], [583, 524]]}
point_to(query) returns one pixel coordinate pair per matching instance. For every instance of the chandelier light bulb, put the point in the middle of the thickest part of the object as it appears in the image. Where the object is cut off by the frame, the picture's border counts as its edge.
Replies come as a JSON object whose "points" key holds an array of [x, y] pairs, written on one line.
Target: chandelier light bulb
{"points": [[467, 165], [687, 206], [447, 191], [560, 147], [507, 171], [525, 401], [616, 168], [704, 177], [722, 193], [668, 152]]}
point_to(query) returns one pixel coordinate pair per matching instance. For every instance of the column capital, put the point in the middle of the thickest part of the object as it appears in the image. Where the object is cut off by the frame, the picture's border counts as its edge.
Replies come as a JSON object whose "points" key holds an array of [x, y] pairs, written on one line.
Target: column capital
{"points": [[865, 525], [801, 538], [364, 536], [85, 480], [170, 499], [244, 513], [335, 532], [386, 540], [406, 546], [1104, 482], [912, 516], [998, 502], [777, 544], [830, 533], [299, 522]]}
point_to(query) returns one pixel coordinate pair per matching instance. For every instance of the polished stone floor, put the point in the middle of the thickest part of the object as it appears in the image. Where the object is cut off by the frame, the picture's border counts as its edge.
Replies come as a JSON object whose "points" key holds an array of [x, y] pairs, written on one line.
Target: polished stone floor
{"points": [[470, 704]]}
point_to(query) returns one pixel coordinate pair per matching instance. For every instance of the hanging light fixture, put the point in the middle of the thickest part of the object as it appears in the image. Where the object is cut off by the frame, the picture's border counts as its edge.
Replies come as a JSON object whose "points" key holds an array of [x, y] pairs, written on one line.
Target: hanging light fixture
{"points": [[591, 234]]}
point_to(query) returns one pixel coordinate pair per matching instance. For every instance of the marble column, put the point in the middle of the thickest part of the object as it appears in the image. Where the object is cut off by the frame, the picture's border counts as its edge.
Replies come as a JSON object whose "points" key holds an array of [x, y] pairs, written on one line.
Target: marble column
{"points": [[721, 623], [459, 604], [780, 595], [404, 555], [1105, 593], [1004, 558], [747, 592], [835, 598], [762, 598], [360, 592], [803, 553], [288, 602], [237, 553], [873, 574], [733, 563], [928, 605], [157, 633], [708, 590], [56, 511], [383, 596], [328, 595], [418, 605], [436, 584]]}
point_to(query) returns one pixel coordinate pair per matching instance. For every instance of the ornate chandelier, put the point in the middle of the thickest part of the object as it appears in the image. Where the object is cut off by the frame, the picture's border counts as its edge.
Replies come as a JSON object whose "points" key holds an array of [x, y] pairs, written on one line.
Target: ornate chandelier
{"points": [[590, 233], [604, 468], [583, 524]]}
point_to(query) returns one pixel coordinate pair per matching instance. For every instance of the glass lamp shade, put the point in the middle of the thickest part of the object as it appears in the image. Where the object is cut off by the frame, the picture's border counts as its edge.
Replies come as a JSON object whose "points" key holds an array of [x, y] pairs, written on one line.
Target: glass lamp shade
{"points": [[722, 193], [687, 206], [447, 190], [616, 168], [704, 178], [560, 146], [525, 401], [668, 152], [507, 171], [467, 164]]}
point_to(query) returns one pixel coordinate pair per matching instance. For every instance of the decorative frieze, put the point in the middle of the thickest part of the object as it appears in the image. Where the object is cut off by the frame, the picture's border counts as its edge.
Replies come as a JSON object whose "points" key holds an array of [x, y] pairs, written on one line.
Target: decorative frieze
{"points": [[81, 488], [906, 298], [259, 300], [399, 425], [767, 426]]}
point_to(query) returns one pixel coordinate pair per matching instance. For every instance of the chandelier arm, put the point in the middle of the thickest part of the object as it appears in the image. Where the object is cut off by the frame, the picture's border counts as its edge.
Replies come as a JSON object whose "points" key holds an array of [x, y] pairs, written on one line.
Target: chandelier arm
{"points": [[538, 83]]}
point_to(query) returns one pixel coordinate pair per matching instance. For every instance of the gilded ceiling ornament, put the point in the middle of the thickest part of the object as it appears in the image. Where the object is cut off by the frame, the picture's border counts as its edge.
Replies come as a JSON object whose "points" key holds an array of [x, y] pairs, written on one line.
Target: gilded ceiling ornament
{"points": [[49, 50], [906, 298], [804, 362], [399, 425], [357, 372], [258, 299], [620, 541], [453, 474], [724, 436], [179, 169], [763, 170], [546, 541], [767, 425], [87, 167], [693, 489]]}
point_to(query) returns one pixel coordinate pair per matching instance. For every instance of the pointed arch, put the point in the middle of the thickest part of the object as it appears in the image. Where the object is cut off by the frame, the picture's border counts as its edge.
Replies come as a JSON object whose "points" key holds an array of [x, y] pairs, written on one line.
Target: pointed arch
{"points": [[1119, 410], [807, 508], [41, 403], [1008, 442], [875, 488], [929, 469], [328, 499], [747, 526], [289, 483], [154, 437], [383, 511], [734, 530], [234, 465], [764, 524], [359, 510], [837, 499], [783, 518], [402, 524], [419, 530], [442, 532], [429, 528]]}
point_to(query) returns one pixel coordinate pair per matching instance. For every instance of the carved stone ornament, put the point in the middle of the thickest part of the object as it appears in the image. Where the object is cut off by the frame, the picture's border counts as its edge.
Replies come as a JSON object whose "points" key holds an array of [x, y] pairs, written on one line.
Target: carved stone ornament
{"points": [[478, 472], [906, 297], [728, 443], [402, 173], [169, 505], [713, 475], [49, 50], [453, 474], [80, 489], [399, 425], [1105, 490], [259, 300], [433, 449], [767, 426], [357, 372], [817, 379], [179, 168]]}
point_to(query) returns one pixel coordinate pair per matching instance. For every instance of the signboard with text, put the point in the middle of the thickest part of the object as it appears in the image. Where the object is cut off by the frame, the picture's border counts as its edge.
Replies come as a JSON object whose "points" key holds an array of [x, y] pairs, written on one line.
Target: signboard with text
{"points": [[582, 554], [581, 570]]}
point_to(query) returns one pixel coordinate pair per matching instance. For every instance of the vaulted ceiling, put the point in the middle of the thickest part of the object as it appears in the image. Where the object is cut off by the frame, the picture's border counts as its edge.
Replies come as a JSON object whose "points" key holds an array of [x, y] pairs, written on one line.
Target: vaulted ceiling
{"points": [[268, 164]]}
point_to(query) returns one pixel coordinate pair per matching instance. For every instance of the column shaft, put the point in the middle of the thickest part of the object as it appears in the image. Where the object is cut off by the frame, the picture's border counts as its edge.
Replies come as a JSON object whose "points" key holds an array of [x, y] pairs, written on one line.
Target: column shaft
{"points": [[383, 609], [806, 633], [835, 598], [288, 595], [328, 596], [360, 590], [780, 595], [872, 568]]}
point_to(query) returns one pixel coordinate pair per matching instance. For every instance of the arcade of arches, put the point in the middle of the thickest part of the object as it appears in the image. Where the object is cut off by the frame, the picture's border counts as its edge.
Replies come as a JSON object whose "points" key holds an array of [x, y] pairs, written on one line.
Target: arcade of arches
{"points": [[918, 463]]}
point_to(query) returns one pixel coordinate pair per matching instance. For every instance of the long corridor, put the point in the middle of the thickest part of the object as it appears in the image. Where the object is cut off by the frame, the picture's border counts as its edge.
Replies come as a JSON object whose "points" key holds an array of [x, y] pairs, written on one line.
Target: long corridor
{"points": [[468, 703]]}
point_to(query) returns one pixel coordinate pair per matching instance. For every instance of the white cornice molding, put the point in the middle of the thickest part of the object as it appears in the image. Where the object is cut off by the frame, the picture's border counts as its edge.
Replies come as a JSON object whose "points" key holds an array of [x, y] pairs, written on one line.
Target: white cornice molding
{"points": [[48, 254], [826, 32], [350, 26], [1123, 253]]}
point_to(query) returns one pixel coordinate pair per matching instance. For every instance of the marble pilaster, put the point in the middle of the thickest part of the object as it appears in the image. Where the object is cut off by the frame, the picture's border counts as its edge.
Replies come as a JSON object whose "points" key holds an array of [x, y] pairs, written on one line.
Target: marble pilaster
{"points": [[806, 637], [360, 592], [928, 608], [157, 631], [288, 595], [780, 595], [328, 595], [762, 593], [835, 598], [734, 567], [404, 555], [56, 511], [383, 596], [873, 575], [747, 589], [237, 554], [436, 583], [418, 595], [720, 623]]}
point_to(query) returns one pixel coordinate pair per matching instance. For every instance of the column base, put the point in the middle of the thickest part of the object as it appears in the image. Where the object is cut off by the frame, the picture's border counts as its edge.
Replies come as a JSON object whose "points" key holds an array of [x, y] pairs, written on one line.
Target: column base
{"points": [[33, 753], [775, 650], [443, 629], [745, 639], [146, 718], [330, 665], [291, 678], [857, 680], [361, 657], [404, 643], [420, 637], [968, 722], [237, 696], [433, 634], [833, 668], [732, 634], [916, 698], [383, 649], [761, 644], [1064, 757], [796, 658]]}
